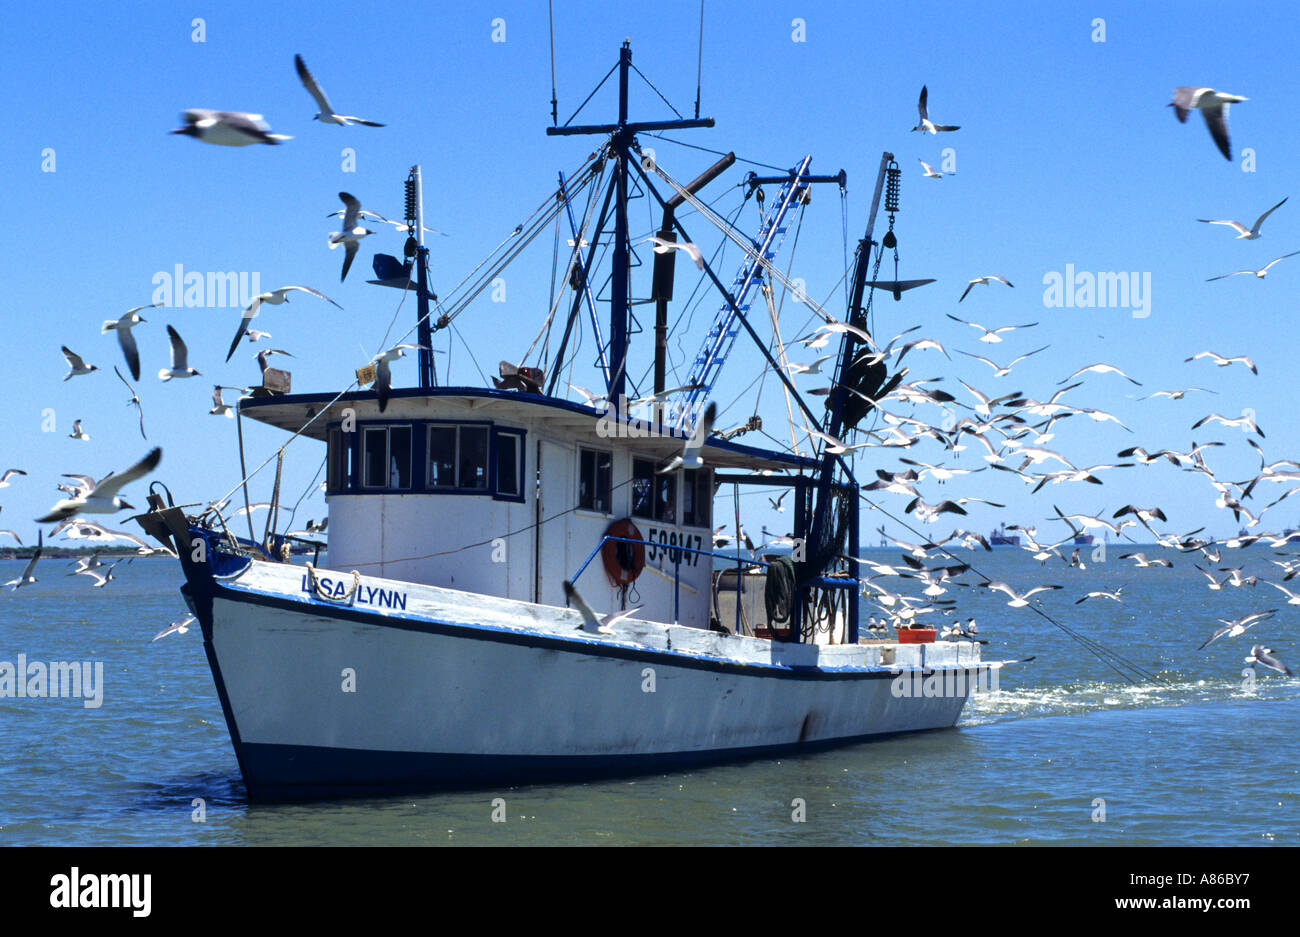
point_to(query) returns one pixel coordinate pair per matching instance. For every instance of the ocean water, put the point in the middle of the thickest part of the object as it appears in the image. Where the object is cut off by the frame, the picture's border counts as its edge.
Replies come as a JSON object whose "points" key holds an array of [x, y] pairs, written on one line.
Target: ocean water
{"points": [[1066, 751]]}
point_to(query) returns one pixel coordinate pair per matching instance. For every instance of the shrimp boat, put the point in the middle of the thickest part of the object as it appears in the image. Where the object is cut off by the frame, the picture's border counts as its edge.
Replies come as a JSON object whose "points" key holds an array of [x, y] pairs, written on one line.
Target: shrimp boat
{"points": [[436, 648]]}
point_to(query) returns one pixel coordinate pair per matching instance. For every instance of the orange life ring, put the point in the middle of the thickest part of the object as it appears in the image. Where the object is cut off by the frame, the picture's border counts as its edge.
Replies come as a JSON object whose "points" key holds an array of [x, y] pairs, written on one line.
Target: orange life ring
{"points": [[623, 561]]}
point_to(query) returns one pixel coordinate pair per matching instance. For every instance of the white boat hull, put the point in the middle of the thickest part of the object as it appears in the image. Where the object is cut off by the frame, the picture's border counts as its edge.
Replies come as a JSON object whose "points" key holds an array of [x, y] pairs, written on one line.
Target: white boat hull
{"points": [[407, 686]]}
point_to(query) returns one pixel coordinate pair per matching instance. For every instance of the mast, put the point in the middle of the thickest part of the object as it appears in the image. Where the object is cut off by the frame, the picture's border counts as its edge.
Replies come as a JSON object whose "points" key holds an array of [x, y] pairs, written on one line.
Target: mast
{"points": [[415, 246], [621, 136]]}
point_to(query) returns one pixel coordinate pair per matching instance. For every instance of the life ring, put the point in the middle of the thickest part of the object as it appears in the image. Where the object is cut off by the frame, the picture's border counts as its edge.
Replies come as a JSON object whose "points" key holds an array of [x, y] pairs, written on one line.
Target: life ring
{"points": [[623, 561]]}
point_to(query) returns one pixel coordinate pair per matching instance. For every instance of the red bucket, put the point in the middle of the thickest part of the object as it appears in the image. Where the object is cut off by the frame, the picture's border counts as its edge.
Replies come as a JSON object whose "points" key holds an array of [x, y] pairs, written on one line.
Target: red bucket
{"points": [[917, 635]]}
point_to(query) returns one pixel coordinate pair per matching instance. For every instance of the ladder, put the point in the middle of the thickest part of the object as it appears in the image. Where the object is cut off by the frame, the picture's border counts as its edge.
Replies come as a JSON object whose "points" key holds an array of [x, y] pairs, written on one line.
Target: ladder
{"points": [[722, 335]]}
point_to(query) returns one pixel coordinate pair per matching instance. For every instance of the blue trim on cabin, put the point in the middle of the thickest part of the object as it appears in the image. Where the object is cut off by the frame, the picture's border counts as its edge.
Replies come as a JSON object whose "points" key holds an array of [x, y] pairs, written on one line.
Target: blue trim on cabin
{"points": [[249, 406]]}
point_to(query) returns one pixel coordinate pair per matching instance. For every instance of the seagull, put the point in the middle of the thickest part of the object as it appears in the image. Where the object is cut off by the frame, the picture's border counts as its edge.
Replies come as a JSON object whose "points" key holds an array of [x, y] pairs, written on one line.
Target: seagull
{"points": [[12, 534], [77, 365], [690, 457], [135, 400], [352, 232], [1243, 232], [4, 480], [101, 579], [219, 406], [273, 298], [1261, 272], [1177, 394], [1102, 595], [76, 431], [925, 124], [266, 353], [103, 497], [400, 227], [1143, 563], [256, 336], [999, 370], [228, 128], [835, 446], [180, 365], [1292, 598], [930, 172], [1236, 627], [1101, 369], [590, 622], [384, 376], [27, 579], [123, 327], [326, 115], [984, 281], [990, 335], [1244, 422], [663, 247], [1214, 108], [1224, 362], [176, 627], [814, 368], [1018, 600], [1263, 655]]}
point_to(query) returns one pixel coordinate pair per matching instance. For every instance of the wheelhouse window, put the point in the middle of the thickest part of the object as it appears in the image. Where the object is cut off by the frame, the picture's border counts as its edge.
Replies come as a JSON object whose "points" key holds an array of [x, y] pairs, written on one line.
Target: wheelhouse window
{"points": [[643, 483], [386, 457], [341, 457], [697, 498], [509, 465], [595, 480], [666, 498], [458, 457]]}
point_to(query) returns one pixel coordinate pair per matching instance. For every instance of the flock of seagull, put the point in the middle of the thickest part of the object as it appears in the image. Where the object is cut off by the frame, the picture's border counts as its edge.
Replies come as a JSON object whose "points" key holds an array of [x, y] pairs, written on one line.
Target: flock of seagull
{"points": [[86, 495]]}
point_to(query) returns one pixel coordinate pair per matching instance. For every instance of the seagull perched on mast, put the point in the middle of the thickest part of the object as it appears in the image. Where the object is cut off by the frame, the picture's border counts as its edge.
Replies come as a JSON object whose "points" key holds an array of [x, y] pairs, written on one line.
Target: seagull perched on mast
{"points": [[352, 233], [103, 497], [273, 298], [228, 128], [383, 375], [1244, 233], [1214, 108], [326, 115]]}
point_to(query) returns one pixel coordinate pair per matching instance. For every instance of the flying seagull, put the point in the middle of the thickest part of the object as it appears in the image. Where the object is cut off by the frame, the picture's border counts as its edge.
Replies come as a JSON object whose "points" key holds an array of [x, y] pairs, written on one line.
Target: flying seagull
{"points": [[1223, 362], [326, 115], [4, 480], [690, 457], [219, 406], [663, 247], [76, 363], [103, 497], [176, 627], [1243, 232], [1214, 108], [990, 335], [1018, 600], [273, 298], [77, 432], [352, 233], [1261, 272], [123, 327], [134, 401], [1263, 655], [1236, 627], [589, 620], [27, 579], [984, 281], [925, 124], [180, 359], [930, 172], [228, 128]]}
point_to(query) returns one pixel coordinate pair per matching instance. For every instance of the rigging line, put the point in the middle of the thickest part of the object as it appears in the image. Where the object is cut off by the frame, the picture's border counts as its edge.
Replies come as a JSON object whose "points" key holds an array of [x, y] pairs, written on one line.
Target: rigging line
{"points": [[306, 491], [699, 67], [296, 434], [1100, 651], [611, 71], [470, 351], [739, 159], [550, 15], [656, 91]]}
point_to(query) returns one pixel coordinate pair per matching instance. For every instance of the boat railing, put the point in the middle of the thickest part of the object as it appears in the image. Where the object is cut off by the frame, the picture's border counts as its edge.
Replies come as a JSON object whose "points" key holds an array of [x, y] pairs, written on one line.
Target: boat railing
{"points": [[677, 553]]}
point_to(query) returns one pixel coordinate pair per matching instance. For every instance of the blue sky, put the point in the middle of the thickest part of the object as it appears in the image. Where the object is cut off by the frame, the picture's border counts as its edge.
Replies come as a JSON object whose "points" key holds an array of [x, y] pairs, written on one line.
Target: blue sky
{"points": [[1067, 155]]}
